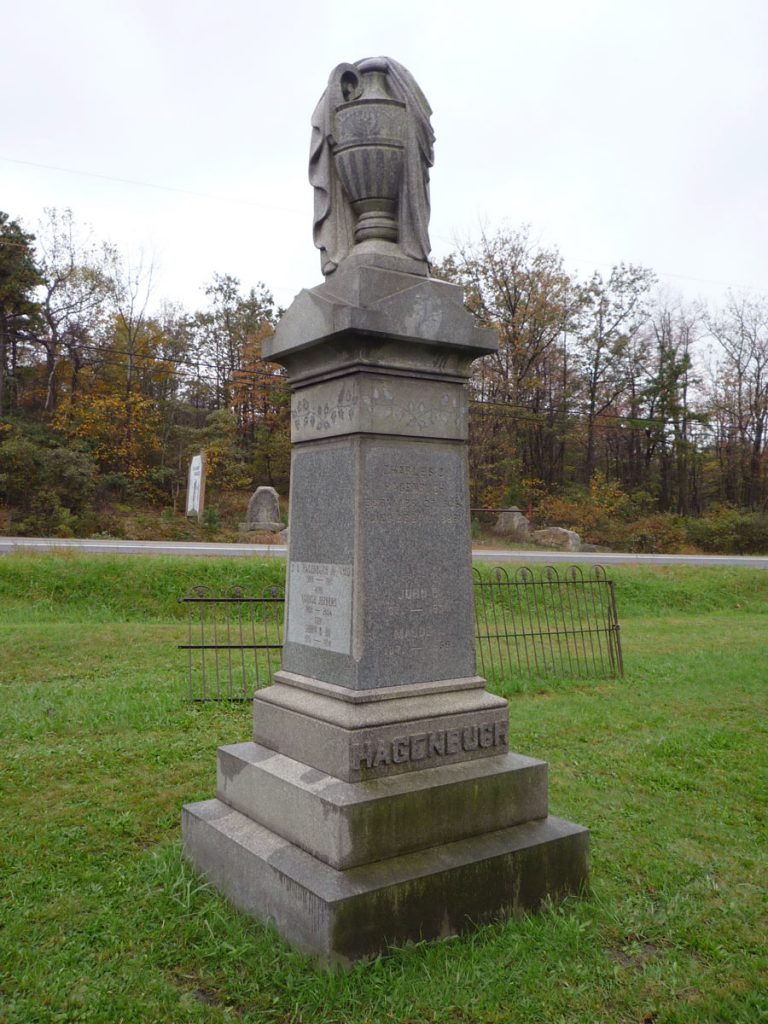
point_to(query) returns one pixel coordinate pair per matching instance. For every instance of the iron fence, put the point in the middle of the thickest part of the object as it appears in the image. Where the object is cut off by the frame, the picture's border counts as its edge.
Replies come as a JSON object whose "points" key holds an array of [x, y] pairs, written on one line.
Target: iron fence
{"points": [[544, 625], [234, 643], [547, 626]]}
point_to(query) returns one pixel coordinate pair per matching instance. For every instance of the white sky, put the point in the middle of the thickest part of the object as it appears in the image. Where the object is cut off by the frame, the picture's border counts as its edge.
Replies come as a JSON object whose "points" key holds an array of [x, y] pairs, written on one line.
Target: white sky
{"points": [[632, 130]]}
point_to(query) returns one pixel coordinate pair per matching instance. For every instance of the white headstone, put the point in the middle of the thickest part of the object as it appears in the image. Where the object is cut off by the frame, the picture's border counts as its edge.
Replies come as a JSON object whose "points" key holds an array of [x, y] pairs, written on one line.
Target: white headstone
{"points": [[196, 486]]}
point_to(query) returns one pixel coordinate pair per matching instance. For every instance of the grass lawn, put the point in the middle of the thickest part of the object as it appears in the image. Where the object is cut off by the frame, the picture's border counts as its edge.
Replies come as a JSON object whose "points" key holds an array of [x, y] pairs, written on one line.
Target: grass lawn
{"points": [[100, 920]]}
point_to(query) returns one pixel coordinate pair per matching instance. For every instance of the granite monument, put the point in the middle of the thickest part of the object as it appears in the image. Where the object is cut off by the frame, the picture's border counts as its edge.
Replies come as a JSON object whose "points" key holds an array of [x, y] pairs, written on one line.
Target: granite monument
{"points": [[378, 801]]}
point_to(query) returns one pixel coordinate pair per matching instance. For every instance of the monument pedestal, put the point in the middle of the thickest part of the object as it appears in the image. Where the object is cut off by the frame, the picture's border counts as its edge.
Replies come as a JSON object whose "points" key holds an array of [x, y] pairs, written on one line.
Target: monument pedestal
{"points": [[378, 802], [344, 916]]}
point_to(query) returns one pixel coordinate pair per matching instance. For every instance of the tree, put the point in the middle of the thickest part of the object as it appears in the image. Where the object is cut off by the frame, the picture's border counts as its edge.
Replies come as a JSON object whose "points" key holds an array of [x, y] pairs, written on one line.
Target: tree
{"points": [[226, 327], [122, 437], [115, 411], [523, 293], [611, 314], [666, 382], [76, 292], [740, 397], [19, 308]]}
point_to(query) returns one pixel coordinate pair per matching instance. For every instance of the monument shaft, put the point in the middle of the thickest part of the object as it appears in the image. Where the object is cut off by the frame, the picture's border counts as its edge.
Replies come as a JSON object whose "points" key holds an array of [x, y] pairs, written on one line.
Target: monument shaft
{"points": [[380, 502]]}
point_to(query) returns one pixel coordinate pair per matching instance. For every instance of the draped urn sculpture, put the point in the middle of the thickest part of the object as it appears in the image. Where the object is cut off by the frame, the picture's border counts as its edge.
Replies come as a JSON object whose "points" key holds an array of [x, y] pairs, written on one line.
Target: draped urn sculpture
{"points": [[368, 148], [372, 147]]}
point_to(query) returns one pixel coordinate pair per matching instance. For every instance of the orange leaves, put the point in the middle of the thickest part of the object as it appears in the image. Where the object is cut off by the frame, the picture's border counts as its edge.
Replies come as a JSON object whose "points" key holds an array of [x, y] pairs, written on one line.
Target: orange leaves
{"points": [[121, 431]]}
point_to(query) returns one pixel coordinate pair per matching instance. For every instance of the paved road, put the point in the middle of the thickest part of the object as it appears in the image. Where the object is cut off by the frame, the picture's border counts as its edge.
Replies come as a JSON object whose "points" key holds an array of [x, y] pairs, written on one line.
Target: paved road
{"points": [[138, 547], [159, 547]]}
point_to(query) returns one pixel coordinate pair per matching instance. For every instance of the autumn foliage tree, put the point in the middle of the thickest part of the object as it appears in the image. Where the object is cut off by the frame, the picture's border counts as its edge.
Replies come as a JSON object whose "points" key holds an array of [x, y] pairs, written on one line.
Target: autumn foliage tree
{"points": [[524, 391], [739, 395], [76, 293]]}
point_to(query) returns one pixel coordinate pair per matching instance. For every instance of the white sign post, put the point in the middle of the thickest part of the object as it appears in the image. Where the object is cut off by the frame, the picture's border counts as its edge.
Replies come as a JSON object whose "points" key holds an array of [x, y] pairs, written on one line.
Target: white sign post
{"points": [[196, 487]]}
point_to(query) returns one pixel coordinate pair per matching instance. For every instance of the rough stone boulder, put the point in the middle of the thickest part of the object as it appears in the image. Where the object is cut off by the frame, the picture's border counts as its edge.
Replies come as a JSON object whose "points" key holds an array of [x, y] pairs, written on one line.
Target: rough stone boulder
{"points": [[512, 523], [557, 537]]}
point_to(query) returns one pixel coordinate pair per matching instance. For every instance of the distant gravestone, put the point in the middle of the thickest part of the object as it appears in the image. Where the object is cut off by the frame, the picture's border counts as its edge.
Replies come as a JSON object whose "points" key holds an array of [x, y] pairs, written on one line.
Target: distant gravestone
{"points": [[512, 523], [196, 487], [263, 512], [557, 537]]}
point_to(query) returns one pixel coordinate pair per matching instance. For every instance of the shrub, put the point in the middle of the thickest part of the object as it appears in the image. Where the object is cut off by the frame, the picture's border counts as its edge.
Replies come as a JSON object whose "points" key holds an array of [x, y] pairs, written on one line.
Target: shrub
{"points": [[30, 470], [71, 474], [728, 530], [47, 518], [596, 516], [114, 485], [752, 537], [661, 534], [211, 518]]}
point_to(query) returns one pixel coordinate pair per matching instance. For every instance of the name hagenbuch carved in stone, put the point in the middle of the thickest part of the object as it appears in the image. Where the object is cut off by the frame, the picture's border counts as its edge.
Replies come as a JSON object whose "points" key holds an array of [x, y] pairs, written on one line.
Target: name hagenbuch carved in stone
{"points": [[422, 746]]}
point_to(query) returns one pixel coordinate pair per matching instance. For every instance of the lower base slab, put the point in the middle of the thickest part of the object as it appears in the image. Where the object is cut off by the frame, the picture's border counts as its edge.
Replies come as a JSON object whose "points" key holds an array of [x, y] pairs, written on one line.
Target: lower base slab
{"points": [[344, 916]]}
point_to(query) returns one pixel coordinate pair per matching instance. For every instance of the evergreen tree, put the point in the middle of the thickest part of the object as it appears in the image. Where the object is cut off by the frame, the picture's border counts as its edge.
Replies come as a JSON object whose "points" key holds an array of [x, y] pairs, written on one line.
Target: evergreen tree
{"points": [[19, 310]]}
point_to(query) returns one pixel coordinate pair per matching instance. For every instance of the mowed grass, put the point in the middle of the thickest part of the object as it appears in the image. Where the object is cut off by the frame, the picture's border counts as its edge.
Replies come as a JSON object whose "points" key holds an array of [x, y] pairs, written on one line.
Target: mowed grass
{"points": [[100, 920]]}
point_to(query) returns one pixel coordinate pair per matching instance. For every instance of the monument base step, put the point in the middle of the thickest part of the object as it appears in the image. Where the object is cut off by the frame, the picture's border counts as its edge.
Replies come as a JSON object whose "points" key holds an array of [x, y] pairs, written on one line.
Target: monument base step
{"points": [[344, 916], [349, 823]]}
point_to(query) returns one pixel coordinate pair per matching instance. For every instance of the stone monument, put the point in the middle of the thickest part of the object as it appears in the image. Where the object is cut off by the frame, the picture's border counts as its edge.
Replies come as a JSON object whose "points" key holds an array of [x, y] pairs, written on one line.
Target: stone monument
{"points": [[263, 512], [378, 802]]}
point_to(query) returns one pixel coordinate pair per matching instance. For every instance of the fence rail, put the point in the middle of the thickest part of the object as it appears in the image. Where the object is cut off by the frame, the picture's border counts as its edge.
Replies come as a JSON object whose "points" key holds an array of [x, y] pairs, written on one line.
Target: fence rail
{"points": [[546, 625]]}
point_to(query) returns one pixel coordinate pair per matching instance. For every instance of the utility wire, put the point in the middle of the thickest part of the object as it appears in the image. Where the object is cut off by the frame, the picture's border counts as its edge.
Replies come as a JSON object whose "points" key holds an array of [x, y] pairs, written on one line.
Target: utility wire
{"points": [[193, 367], [155, 185], [289, 209]]}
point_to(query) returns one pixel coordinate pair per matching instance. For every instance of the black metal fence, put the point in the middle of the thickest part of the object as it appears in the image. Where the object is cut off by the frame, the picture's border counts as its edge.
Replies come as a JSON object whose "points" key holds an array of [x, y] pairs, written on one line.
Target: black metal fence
{"points": [[547, 625], [541, 625], [234, 643]]}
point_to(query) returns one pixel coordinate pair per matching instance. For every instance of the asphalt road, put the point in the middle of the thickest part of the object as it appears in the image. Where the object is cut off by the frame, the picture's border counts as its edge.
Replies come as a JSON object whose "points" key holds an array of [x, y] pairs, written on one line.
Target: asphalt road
{"points": [[159, 547]]}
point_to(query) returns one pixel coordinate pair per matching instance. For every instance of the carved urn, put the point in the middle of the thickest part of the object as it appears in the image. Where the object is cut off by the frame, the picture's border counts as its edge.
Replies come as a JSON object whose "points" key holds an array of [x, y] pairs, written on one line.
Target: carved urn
{"points": [[368, 147]]}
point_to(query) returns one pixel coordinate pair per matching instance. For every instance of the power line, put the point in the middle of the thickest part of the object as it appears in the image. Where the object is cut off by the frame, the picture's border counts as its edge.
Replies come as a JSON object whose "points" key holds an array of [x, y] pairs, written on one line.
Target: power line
{"points": [[155, 185], [194, 367], [149, 364], [666, 273], [290, 209]]}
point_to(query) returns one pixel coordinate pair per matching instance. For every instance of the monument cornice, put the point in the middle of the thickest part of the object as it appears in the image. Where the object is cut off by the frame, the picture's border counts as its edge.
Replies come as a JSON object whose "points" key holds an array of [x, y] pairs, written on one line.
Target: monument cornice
{"points": [[365, 305]]}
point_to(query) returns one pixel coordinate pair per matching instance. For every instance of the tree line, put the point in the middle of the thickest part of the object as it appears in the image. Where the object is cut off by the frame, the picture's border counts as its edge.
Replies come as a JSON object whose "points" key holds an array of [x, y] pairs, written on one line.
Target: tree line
{"points": [[614, 376], [602, 384]]}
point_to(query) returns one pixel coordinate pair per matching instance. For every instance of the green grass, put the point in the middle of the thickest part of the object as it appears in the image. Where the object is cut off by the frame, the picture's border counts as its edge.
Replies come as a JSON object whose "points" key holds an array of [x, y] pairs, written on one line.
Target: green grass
{"points": [[101, 921], [67, 587]]}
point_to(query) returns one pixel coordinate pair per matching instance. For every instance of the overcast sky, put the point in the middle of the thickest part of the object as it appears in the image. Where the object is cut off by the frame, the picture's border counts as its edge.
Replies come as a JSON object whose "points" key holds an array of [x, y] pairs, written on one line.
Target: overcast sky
{"points": [[618, 130]]}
